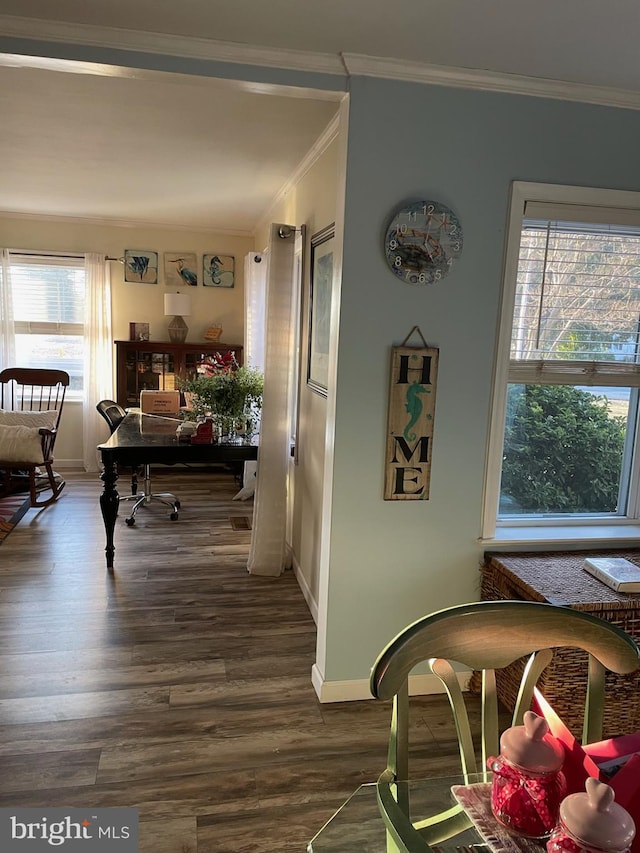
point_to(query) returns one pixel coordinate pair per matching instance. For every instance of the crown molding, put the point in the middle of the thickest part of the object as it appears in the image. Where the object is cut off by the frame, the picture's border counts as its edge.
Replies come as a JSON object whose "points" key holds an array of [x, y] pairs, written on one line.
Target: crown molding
{"points": [[342, 65], [188, 47], [488, 81], [106, 222]]}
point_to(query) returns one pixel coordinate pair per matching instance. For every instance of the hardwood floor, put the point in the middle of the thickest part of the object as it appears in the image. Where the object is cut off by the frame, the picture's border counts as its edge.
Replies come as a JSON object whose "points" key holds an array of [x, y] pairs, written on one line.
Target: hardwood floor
{"points": [[181, 684]]}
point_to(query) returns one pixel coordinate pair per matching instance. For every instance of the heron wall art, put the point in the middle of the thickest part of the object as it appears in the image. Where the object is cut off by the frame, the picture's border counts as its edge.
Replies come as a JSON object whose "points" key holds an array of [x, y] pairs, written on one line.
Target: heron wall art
{"points": [[180, 269]]}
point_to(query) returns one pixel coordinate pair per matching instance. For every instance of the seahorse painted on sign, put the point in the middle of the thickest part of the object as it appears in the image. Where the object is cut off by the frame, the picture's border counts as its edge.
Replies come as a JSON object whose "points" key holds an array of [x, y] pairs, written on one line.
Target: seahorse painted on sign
{"points": [[413, 405]]}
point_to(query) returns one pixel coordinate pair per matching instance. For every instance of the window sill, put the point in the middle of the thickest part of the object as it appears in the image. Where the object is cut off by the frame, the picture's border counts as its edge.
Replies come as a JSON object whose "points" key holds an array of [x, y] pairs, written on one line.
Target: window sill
{"points": [[541, 538]]}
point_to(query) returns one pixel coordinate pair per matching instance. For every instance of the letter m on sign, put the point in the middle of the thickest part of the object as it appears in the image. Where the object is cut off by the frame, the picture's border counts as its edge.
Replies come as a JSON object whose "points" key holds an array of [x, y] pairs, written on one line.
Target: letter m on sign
{"points": [[412, 404]]}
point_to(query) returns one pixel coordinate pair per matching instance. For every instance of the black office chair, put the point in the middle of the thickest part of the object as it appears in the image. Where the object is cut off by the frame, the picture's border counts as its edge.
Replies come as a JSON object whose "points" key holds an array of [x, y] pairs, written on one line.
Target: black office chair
{"points": [[114, 414]]}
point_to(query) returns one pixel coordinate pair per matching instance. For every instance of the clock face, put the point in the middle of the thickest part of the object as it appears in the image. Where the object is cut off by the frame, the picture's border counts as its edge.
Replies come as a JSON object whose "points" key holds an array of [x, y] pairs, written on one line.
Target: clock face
{"points": [[422, 242]]}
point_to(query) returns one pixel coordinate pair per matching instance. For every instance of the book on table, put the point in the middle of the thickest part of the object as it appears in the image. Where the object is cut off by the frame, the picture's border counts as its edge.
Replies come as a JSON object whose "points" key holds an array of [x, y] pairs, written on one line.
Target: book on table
{"points": [[618, 573]]}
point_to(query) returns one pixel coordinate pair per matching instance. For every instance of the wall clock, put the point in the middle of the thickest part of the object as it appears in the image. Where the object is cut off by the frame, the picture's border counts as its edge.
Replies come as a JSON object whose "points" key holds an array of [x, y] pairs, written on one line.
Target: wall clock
{"points": [[422, 241]]}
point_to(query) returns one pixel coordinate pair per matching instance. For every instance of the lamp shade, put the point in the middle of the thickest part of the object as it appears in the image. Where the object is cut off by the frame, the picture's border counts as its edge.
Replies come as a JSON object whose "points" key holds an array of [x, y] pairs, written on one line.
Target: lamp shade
{"points": [[177, 304]]}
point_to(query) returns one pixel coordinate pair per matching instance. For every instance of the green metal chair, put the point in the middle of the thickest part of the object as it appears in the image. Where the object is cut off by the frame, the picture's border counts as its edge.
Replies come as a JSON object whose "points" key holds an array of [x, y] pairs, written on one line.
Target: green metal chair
{"points": [[483, 637]]}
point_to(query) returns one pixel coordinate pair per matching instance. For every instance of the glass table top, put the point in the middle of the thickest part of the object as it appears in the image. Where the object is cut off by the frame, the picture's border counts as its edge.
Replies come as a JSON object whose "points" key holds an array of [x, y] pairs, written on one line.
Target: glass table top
{"points": [[358, 826]]}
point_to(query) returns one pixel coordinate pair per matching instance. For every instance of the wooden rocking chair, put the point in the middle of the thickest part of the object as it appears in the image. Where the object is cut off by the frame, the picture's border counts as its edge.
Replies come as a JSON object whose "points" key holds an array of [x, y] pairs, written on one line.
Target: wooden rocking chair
{"points": [[31, 403]]}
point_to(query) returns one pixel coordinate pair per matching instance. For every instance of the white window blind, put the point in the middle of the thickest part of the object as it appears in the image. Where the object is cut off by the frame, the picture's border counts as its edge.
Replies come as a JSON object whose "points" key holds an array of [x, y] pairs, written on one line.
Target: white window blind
{"points": [[577, 300], [48, 295], [48, 290]]}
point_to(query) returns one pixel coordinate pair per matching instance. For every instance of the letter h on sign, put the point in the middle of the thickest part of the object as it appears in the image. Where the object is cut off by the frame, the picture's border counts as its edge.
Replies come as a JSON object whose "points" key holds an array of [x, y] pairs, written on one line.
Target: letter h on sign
{"points": [[412, 402]]}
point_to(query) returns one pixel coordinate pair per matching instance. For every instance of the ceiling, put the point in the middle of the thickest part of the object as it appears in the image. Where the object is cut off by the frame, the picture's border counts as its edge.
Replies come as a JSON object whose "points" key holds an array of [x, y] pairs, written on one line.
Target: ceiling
{"points": [[202, 153], [158, 149]]}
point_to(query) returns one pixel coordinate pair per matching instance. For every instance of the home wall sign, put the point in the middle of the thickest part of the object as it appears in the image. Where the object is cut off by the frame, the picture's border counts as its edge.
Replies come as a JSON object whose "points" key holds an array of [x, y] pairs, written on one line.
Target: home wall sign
{"points": [[411, 412]]}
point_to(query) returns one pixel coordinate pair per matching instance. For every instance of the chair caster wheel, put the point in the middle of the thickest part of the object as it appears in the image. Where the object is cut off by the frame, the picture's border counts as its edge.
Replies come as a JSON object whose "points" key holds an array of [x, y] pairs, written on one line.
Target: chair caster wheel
{"points": [[174, 516], [130, 521], [177, 504]]}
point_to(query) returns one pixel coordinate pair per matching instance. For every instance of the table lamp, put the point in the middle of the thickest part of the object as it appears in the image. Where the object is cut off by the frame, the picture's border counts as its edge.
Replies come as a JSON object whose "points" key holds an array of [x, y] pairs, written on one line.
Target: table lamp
{"points": [[177, 305]]}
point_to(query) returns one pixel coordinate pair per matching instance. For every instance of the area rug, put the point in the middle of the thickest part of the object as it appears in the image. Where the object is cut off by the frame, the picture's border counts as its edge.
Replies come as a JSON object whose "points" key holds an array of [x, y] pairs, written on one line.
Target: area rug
{"points": [[12, 508]]}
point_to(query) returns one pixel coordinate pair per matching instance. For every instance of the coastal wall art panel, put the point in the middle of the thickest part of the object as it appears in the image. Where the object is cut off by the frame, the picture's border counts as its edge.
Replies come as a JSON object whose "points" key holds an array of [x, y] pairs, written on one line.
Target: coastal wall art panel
{"points": [[141, 265], [218, 270], [180, 269]]}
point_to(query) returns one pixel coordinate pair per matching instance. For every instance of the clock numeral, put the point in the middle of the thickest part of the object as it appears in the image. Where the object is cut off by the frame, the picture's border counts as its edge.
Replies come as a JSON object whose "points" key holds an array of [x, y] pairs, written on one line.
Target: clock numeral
{"points": [[393, 244], [456, 246], [437, 274], [401, 229], [428, 209], [422, 278], [453, 230], [397, 261], [449, 262]]}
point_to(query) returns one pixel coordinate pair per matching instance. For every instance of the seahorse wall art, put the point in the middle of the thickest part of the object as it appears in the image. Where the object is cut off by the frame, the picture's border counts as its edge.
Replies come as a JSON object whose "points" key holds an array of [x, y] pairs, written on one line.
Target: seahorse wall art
{"points": [[413, 405]]}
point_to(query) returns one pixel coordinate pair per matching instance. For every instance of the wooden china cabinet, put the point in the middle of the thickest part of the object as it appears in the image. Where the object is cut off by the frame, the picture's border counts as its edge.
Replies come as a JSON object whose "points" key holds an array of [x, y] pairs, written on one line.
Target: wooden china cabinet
{"points": [[159, 365]]}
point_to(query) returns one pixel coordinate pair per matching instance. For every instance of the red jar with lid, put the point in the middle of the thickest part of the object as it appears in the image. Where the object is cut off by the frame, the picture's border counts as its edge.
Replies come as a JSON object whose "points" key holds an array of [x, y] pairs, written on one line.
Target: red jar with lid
{"points": [[528, 784], [592, 822]]}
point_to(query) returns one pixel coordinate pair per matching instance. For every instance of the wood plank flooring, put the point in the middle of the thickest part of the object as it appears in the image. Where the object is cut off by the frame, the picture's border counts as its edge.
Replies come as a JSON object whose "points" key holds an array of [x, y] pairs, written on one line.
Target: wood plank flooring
{"points": [[180, 684]]}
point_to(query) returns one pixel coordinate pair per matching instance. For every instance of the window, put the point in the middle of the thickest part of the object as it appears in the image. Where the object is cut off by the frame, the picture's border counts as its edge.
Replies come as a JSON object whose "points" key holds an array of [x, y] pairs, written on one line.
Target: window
{"points": [[48, 296], [564, 432]]}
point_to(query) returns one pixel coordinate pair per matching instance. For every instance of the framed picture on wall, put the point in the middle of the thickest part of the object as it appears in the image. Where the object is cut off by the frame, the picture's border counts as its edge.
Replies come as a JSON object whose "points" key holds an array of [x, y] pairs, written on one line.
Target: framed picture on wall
{"points": [[180, 269], [320, 287], [141, 265], [218, 270]]}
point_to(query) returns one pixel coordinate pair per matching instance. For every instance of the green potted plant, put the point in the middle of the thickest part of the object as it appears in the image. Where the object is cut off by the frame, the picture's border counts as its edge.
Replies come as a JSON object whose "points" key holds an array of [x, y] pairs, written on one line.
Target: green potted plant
{"points": [[230, 394]]}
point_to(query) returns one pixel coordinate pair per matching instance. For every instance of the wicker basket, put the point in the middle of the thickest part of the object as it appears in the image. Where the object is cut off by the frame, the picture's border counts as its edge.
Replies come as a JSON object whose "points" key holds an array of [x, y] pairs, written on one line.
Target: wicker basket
{"points": [[213, 333], [559, 578]]}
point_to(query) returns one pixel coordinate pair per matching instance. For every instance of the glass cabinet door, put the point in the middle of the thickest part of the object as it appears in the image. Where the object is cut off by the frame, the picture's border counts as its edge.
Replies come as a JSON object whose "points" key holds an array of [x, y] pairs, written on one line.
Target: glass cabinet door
{"points": [[161, 366], [193, 359], [148, 371]]}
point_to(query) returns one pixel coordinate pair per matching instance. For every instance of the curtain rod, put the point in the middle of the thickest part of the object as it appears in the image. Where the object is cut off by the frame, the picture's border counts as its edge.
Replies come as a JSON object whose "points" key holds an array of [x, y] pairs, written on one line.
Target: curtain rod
{"points": [[28, 252]]}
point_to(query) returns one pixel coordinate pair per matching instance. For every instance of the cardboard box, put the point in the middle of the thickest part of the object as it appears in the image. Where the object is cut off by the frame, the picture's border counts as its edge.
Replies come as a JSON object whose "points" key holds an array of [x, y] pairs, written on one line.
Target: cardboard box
{"points": [[159, 402]]}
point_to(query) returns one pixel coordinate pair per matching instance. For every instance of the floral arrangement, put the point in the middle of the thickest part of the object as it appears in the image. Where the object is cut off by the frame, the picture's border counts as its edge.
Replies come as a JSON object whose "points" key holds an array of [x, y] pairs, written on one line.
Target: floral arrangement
{"points": [[231, 394]]}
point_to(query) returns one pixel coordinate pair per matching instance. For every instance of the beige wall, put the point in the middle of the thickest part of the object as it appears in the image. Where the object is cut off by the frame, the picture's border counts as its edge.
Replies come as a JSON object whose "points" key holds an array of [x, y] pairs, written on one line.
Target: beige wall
{"points": [[312, 203], [132, 302]]}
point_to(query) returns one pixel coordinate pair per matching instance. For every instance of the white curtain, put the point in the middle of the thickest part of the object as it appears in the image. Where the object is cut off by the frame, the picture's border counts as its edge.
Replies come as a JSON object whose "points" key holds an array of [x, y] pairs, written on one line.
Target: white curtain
{"points": [[268, 552], [7, 330], [98, 354], [255, 297]]}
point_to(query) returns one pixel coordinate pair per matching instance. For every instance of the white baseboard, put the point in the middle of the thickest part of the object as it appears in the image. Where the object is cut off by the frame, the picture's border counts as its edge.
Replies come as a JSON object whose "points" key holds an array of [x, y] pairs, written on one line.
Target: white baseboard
{"points": [[304, 586], [351, 691], [68, 464]]}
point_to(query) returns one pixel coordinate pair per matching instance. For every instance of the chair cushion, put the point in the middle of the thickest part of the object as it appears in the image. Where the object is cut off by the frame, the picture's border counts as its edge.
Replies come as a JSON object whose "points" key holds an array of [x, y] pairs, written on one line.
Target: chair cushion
{"points": [[46, 419], [20, 444]]}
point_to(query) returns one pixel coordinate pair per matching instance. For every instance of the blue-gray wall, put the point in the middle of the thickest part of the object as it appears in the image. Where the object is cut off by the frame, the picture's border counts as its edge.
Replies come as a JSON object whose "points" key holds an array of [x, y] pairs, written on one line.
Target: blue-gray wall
{"points": [[393, 561]]}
